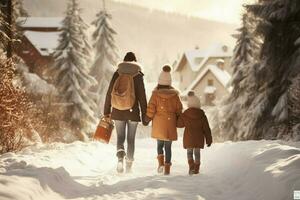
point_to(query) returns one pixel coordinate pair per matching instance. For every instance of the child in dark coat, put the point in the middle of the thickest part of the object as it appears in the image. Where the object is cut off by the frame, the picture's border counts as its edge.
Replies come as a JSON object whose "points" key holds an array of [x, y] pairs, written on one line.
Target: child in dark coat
{"points": [[196, 131]]}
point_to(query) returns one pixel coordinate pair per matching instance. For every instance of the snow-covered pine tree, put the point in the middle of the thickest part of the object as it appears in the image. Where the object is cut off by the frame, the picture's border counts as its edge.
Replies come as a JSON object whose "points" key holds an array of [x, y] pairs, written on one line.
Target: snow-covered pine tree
{"points": [[18, 11], [279, 27], [247, 46], [105, 55], [82, 26], [71, 76], [243, 83], [14, 36], [294, 107]]}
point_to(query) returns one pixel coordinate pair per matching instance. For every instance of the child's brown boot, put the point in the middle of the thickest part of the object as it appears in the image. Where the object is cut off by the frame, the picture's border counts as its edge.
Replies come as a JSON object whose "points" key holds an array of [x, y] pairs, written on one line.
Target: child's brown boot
{"points": [[167, 168], [197, 167], [161, 163], [191, 167]]}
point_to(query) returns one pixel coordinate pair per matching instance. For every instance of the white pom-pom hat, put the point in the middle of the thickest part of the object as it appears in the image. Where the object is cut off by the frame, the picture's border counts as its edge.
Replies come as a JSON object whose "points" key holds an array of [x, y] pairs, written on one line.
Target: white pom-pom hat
{"points": [[192, 100], [165, 77]]}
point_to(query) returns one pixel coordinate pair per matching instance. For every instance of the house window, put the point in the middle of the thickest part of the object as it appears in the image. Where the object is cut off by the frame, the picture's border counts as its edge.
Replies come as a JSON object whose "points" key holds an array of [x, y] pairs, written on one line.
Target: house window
{"points": [[210, 82]]}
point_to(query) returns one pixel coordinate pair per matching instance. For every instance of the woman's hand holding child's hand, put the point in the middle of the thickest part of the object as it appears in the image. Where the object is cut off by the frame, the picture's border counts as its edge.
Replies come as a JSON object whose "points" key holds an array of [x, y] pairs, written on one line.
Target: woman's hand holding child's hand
{"points": [[146, 120], [107, 116]]}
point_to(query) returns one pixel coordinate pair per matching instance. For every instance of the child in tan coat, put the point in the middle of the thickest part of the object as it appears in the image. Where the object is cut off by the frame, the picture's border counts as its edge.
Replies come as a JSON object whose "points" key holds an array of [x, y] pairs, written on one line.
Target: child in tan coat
{"points": [[163, 109], [196, 131]]}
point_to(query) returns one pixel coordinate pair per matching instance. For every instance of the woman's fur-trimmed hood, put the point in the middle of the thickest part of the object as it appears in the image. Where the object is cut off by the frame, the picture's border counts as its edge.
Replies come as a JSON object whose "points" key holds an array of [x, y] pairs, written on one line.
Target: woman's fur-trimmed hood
{"points": [[129, 68]]}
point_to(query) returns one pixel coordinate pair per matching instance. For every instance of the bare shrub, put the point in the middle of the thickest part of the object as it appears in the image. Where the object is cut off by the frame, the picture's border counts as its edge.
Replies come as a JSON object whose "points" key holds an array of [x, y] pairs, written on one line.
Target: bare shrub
{"points": [[14, 110]]}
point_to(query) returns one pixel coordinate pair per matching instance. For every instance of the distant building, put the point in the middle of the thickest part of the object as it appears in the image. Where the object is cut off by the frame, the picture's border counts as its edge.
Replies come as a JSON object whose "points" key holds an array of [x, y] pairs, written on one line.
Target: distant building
{"points": [[40, 38], [206, 72], [44, 24]]}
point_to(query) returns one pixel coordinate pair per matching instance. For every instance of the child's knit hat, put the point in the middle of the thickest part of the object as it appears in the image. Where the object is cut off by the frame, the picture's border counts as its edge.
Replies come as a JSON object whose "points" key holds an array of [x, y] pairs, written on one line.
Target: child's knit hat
{"points": [[192, 100], [165, 76]]}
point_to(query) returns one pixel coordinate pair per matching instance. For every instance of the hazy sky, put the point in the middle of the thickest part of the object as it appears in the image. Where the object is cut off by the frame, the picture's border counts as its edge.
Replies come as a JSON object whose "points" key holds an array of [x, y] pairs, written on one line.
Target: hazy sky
{"points": [[220, 10]]}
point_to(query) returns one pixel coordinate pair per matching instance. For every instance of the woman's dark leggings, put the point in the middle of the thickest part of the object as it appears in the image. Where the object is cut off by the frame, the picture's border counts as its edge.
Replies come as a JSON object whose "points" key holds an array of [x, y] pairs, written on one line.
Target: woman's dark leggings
{"points": [[167, 145]]}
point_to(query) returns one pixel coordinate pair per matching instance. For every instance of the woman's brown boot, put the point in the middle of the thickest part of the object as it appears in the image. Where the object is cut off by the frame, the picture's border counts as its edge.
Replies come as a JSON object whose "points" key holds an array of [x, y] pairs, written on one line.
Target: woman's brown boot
{"points": [[197, 168], [161, 163], [191, 167], [167, 168]]}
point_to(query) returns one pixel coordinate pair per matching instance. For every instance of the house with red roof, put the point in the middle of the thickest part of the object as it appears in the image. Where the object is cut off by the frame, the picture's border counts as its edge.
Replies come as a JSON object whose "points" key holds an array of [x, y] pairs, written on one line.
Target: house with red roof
{"points": [[39, 41]]}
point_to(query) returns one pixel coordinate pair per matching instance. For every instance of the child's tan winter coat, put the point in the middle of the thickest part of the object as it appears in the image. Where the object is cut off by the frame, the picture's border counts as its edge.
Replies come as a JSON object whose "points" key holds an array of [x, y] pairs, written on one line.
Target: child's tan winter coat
{"points": [[164, 108], [196, 128]]}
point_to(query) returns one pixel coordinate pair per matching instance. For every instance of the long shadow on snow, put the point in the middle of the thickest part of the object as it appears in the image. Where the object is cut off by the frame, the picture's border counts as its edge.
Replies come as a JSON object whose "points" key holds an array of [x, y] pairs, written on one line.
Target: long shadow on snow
{"points": [[60, 181]]}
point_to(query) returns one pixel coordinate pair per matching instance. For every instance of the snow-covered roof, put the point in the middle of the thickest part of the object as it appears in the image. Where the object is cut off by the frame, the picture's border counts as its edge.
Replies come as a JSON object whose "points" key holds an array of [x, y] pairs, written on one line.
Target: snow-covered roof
{"points": [[197, 58], [41, 22], [222, 76], [44, 42], [34, 84], [220, 60]]}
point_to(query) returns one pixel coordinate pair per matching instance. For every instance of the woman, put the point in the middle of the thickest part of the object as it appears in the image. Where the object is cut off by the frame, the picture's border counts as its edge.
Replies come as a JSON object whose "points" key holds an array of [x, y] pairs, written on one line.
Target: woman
{"points": [[129, 118]]}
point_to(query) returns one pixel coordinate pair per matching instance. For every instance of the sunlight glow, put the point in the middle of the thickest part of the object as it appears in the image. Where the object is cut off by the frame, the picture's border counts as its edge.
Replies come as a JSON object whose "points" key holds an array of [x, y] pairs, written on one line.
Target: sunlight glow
{"points": [[220, 10]]}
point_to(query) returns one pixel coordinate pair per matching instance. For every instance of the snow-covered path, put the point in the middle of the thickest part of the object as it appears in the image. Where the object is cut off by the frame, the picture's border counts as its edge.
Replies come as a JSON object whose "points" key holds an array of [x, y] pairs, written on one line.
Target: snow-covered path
{"points": [[252, 170]]}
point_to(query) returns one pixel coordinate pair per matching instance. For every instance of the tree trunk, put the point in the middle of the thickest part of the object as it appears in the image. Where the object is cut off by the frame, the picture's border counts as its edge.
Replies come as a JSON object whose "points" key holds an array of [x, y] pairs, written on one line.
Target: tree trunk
{"points": [[9, 33]]}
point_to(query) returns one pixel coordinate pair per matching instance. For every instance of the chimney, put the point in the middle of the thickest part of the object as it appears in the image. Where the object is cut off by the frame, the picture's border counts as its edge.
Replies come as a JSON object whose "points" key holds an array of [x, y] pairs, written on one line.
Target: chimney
{"points": [[225, 48], [221, 64]]}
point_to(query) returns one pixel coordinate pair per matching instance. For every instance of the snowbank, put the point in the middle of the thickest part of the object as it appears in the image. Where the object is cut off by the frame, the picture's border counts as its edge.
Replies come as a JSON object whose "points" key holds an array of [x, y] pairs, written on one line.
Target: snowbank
{"points": [[260, 170], [36, 85], [33, 83]]}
